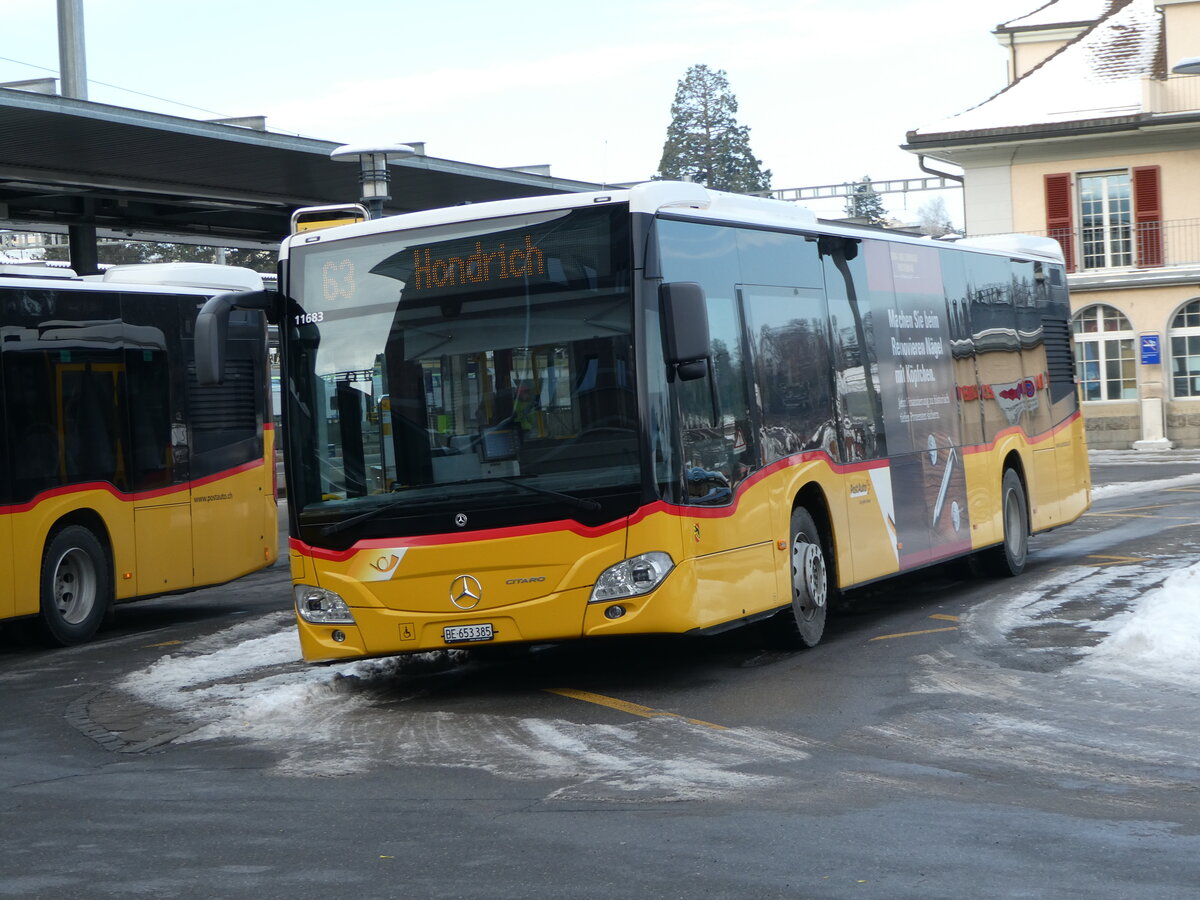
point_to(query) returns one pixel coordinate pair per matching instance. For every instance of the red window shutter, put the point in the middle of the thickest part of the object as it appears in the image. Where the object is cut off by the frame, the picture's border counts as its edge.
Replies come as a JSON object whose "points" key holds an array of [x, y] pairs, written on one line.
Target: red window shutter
{"points": [[1058, 215], [1147, 215]]}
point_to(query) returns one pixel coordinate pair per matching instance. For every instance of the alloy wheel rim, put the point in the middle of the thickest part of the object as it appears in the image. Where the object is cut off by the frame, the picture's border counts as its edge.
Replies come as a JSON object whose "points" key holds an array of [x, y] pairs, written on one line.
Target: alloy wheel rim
{"points": [[808, 574], [1014, 527], [74, 586]]}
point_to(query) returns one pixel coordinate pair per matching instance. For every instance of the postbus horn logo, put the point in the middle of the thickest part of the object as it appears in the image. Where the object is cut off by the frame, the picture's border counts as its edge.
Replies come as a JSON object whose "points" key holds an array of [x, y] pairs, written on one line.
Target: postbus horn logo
{"points": [[466, 592]]}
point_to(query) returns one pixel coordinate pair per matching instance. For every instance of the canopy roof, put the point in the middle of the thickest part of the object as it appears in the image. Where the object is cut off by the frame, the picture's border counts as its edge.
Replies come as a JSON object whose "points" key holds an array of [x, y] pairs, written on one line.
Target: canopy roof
{"points": [[72, 162]]}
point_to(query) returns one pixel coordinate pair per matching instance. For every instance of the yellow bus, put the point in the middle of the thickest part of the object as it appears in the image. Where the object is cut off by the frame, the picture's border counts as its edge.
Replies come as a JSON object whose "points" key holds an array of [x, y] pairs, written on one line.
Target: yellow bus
{"points": [[655, 410], [120, 476]]}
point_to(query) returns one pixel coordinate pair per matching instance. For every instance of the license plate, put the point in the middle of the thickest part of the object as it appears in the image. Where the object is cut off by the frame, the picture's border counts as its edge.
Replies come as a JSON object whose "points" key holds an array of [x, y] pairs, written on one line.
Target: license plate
{"points": [[461, 634]]}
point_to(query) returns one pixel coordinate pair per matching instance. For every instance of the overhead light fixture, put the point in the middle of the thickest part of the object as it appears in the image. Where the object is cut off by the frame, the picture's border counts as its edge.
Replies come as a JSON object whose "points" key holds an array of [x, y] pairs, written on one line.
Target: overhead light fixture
{"points": [[373, 173]]}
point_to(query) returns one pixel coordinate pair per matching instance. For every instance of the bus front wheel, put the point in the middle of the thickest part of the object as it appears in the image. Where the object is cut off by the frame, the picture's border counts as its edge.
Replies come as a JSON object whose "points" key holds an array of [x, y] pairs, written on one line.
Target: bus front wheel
{"points": [[803, 624], [75, 586], [1008, 559]]}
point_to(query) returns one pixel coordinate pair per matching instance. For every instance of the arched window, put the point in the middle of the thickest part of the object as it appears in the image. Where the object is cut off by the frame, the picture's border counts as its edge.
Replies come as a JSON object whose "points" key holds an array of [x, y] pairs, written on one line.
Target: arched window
{"points": [[1184, 339], [1105, 364]]}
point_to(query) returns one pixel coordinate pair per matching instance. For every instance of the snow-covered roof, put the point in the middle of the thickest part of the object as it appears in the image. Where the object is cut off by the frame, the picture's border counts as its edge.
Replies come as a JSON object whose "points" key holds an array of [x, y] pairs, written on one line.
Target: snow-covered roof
{"points": [[1096, 76], [1061, 12]]}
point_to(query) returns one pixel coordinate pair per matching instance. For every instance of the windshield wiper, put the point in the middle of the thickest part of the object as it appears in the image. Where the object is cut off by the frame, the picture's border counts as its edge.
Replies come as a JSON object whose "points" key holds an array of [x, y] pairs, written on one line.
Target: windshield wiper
{"points": [[361, 517], [574, 502]]}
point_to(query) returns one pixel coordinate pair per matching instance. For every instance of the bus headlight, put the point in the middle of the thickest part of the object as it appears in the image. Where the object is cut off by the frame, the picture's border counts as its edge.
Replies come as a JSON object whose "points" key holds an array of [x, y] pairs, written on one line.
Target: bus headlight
{"points": [[631, 577], [321, 607]]}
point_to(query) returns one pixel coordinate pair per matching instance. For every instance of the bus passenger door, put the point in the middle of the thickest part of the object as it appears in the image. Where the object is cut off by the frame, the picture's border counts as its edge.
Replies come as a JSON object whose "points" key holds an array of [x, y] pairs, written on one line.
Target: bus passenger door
{"points": [[868, 545], [155, 452], [232, 532], [7, 604], [7, 588], [728, 531]]}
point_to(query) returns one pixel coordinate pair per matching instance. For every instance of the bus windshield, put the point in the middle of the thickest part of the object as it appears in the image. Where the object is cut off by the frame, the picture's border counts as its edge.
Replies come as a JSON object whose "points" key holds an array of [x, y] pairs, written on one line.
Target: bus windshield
{"points": [[475, 375]]}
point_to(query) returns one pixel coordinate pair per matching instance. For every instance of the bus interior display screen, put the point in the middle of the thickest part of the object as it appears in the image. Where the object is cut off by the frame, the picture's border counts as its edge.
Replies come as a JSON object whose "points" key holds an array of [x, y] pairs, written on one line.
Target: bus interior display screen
{"points": [[498, 444]]}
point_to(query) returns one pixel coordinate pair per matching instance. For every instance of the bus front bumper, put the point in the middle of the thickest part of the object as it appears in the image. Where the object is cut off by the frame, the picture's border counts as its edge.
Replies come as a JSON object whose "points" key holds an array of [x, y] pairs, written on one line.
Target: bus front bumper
{"points": [[383, 632]]}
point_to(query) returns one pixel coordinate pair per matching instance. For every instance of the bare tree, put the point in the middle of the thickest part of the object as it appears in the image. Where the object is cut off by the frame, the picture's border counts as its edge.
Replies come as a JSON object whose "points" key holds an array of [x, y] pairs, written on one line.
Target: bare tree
{"points": [[934, 218]]}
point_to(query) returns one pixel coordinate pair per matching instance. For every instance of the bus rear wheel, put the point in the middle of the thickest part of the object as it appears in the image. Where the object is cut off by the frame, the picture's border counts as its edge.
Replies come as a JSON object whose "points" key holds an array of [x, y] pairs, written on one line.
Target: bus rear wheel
{"points": [[803, 624], [1008, 559], [76, 590]]}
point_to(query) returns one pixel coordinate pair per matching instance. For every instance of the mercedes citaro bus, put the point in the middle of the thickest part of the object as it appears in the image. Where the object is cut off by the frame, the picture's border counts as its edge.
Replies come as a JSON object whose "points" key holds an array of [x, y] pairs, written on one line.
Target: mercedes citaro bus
{"points": [[656, 410], [121, 477]]}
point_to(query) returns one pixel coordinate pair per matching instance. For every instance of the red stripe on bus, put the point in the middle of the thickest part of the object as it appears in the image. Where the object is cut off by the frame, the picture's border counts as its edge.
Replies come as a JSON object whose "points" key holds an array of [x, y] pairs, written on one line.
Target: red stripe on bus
{"points": [[560, 525], [1017, 429], [658, 506], [183, 488], [434, 540]]}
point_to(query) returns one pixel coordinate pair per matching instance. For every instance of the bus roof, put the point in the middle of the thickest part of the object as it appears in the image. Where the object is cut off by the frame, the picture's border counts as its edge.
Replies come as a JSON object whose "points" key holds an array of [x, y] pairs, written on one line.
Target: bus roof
{"points": [[203, 276], [685, 198]]}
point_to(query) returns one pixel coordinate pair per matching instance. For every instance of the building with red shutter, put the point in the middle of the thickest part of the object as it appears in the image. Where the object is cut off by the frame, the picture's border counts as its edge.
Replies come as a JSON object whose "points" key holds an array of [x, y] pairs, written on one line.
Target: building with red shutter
{"points": [[1095, 142]]}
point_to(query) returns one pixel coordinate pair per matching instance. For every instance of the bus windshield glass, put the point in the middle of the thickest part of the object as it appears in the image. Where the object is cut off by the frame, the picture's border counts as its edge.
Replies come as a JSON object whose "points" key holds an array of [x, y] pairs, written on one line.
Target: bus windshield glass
{"points": [[480, 370]]}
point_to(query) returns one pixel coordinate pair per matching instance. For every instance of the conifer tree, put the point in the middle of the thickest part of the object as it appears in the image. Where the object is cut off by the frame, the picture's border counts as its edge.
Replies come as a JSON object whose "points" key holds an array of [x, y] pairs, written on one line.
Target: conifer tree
{"points": [[704, 141], [864, 202]]}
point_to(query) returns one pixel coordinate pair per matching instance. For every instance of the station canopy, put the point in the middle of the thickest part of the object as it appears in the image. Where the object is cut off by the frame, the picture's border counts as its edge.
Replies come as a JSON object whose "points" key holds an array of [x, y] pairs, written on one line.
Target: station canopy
{"points": [[138, 175]]}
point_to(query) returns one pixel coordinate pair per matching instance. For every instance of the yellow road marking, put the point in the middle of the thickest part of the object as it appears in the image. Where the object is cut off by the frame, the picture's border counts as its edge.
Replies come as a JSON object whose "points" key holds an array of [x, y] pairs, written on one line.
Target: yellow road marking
{"points": [[634, 709], [1114, 560], [888, 637], [1183, 490], [163, 644], [1130, 512], [944, 617]]}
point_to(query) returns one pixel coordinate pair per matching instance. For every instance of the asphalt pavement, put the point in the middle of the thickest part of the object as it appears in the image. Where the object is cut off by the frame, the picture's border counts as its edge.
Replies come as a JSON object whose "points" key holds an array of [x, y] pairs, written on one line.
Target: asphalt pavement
{"points": [[943, 741]]}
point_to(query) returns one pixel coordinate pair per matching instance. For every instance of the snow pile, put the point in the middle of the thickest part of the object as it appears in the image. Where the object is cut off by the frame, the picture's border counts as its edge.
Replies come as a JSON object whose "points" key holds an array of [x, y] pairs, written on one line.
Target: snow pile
{"points": [[249, 682], [1122, 488], [169, 681], [1158, 638]]}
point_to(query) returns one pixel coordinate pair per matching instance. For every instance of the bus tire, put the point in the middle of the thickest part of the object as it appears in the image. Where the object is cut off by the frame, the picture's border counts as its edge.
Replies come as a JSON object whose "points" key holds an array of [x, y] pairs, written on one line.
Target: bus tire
{"points": [[76, 587], [1008, 559], [803, 624]]}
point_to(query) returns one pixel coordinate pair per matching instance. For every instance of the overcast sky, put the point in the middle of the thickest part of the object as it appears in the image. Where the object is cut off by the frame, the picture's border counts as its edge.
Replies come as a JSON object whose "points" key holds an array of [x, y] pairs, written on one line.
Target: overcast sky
{"points": [[828, 87]]}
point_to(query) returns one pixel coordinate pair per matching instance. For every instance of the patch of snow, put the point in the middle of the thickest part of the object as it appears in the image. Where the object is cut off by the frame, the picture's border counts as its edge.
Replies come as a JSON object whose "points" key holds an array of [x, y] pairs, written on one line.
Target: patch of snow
{"points": [[1121, 488], [1061, 12], [1157, 638], [249, 682], [1098, 76]]}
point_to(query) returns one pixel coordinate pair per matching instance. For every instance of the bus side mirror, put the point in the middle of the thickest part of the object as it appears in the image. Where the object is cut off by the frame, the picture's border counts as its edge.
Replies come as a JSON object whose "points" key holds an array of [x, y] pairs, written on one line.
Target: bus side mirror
{"points": [[212, 329], [685, 324]]}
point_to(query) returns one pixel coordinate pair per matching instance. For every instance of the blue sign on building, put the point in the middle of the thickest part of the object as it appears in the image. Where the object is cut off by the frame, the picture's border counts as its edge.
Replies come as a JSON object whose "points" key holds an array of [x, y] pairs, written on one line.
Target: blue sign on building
{"points": [[1151, 349]]}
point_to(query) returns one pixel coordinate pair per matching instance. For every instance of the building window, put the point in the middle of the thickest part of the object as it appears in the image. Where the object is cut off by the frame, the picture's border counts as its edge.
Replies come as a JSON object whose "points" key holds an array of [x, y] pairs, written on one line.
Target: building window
{"points": [[1105, 364], [1184, 338], [1106, 220]]}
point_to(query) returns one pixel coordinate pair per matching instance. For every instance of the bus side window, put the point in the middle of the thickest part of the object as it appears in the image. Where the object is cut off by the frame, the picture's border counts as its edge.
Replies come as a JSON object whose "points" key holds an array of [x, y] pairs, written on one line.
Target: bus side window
{"points": [[962, 346], [855, 364], [152, 392], [997, 345], [35, 430], [789, 340], [718, 455]]}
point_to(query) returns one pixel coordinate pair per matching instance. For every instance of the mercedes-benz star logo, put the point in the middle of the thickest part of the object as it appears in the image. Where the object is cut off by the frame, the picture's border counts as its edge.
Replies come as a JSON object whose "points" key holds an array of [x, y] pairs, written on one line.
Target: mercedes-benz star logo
{"points": [[465, 592], [460, 520]]}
